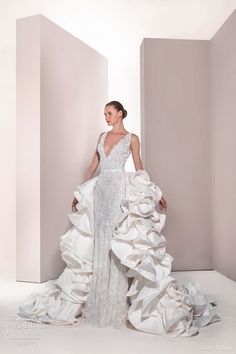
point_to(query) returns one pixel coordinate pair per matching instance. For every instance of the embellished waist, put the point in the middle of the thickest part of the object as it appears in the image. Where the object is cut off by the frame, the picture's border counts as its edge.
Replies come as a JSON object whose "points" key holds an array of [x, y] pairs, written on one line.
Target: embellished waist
{"points": [[104, 170]]}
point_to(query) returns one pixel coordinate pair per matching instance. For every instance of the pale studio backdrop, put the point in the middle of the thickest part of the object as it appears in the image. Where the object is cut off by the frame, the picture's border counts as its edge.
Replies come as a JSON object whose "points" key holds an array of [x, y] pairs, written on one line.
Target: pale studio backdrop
{"points": [[117, 33]]}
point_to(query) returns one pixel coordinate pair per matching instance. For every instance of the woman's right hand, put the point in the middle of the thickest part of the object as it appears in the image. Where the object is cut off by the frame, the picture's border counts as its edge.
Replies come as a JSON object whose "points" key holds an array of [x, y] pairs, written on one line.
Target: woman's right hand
{"points": [[75, 201]]}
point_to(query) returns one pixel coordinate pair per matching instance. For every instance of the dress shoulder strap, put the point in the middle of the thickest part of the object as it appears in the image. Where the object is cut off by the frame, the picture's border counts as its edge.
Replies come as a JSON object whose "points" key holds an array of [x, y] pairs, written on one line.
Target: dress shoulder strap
{"points": [[102, 137]]}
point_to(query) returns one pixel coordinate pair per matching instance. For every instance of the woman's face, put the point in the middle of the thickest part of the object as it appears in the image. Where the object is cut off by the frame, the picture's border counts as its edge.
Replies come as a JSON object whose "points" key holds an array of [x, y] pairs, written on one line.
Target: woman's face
{"points": [[112, 116]]}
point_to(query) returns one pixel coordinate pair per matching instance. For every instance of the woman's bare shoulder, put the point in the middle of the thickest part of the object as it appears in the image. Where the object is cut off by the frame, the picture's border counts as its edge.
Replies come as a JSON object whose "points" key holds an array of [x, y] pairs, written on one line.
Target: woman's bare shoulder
{"points": [[100, 135], [134, 138]]}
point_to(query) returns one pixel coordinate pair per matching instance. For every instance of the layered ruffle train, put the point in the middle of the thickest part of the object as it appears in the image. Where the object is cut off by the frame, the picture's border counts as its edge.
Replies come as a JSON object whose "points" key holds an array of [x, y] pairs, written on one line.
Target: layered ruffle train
{"points": [[158, 304]]}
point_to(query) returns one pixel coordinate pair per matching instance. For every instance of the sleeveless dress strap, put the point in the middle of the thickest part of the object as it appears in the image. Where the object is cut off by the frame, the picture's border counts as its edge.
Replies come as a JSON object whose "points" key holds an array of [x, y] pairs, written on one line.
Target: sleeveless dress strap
{"points": [[103, 137]]}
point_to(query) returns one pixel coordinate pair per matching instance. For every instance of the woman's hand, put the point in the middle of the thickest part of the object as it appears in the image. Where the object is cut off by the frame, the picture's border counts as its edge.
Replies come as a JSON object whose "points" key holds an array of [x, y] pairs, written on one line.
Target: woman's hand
{"points": [[75, 201], [163, 203]]}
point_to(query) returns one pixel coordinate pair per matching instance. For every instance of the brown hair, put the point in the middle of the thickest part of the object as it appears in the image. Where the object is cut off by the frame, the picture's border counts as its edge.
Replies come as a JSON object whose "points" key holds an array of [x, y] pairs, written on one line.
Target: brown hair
{"points": [[118, 106]]}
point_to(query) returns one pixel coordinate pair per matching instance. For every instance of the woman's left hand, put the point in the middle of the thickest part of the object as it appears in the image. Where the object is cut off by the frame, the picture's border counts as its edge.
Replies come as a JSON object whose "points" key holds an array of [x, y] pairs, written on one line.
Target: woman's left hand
{"points": [[163, 203]]}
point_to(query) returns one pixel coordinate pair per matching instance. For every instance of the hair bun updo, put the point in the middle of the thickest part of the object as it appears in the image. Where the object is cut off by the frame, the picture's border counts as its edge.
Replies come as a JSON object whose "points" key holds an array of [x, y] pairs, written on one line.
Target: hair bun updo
{"points": [[119, 107], [124, 113]]}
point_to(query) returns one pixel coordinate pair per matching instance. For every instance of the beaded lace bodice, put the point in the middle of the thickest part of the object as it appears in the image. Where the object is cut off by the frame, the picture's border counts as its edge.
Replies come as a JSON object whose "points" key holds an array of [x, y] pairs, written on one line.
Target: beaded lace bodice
{"points": [[107, 303], [117, 156]]}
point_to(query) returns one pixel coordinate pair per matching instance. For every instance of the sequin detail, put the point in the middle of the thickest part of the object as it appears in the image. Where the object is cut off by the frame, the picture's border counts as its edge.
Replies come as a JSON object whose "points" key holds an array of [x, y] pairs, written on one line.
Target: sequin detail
{"points": [[107, 303]]}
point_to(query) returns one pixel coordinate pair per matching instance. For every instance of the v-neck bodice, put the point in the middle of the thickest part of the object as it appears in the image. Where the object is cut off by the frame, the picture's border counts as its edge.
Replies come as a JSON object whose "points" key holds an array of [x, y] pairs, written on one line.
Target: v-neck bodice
{"points": [[117, 156]]}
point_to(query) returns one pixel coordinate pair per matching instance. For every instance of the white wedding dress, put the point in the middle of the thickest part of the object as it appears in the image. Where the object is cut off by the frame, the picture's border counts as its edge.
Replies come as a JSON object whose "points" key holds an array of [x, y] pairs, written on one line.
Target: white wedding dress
{"points": [[117, 267]]}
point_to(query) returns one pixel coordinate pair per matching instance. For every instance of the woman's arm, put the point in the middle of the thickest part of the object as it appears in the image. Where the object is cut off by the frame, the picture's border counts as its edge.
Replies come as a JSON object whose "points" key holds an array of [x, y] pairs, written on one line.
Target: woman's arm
{"points": [[94, 163], [90, 171], [135, 148]]}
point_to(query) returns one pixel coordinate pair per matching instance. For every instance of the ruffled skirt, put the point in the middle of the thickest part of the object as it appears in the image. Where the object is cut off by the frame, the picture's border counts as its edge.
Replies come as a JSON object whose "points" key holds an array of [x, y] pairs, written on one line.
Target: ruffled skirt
{"points": [[157, 304]]}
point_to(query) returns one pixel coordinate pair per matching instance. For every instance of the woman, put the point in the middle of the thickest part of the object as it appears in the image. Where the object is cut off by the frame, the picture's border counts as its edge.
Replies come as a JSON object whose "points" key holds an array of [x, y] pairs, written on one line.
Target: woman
{"points": [[114, 115], [117, 268]]}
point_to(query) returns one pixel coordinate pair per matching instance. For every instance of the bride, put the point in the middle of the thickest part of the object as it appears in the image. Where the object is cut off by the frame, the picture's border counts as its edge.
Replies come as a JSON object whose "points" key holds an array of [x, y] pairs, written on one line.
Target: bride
{"points": [[117, 268]]}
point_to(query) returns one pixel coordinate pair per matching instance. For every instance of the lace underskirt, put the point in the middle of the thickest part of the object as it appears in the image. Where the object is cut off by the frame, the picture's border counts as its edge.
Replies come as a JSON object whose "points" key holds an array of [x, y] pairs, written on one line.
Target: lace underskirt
{"points": [[107, 303]]}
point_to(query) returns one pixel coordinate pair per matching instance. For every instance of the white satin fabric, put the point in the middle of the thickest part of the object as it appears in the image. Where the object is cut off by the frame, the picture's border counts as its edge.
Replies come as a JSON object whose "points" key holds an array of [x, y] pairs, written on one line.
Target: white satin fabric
{"points": [[158, 304]]}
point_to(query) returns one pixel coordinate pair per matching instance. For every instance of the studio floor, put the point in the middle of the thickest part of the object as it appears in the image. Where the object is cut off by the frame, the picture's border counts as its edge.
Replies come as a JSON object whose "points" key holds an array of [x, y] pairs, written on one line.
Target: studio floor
{"points": [[27, 337]]}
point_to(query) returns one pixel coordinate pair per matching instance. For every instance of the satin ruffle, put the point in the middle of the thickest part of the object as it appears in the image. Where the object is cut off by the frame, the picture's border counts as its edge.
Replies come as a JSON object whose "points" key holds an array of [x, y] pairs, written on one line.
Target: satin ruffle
{"points": [[158, 304]]}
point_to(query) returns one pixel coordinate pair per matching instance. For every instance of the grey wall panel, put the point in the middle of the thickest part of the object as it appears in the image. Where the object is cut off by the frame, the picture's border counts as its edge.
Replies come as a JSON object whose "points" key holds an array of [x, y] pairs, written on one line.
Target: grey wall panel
{"points": [[61, 92]]}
